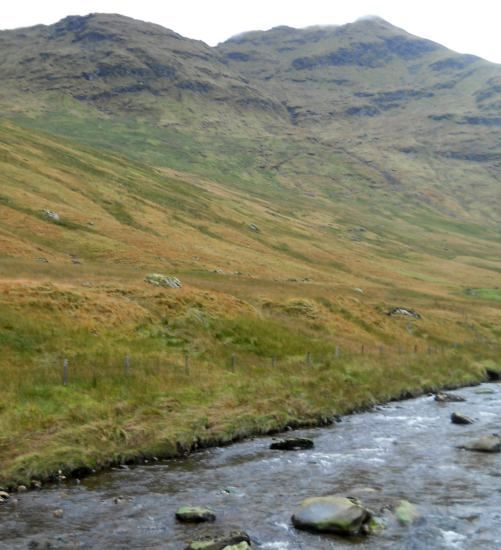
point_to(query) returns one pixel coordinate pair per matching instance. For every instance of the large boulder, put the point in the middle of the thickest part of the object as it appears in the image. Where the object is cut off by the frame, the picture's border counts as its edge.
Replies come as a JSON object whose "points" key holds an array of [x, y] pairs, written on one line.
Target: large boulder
{"points": [[484, 444], [292, 444], [157, 279], [458, 418], [194, 514], [234, 540], [333, 514], [443, 397]]}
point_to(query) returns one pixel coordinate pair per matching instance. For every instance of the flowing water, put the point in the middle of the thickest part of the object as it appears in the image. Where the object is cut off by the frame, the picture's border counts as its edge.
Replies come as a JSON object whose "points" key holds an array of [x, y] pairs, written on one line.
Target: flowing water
{"points": [[404, 450]]}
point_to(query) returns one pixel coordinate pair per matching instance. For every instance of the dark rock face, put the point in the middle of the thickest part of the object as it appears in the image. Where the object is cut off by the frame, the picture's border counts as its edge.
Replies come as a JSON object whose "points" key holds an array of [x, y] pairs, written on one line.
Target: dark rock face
{"points": [[454, 63], [292, 444]]}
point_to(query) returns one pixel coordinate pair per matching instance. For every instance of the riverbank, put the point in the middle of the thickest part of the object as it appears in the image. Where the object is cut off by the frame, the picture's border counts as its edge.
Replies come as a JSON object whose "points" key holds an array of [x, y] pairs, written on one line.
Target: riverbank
{"points": [[84, 429]]}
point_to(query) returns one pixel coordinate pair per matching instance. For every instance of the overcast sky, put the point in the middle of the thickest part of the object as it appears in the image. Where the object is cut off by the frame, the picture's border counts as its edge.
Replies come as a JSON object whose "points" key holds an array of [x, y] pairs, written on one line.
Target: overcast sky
{"points": [[462, 25]]}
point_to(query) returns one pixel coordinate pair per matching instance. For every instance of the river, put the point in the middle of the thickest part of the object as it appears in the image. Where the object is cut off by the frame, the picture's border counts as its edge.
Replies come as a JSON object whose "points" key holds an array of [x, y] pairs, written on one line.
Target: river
{"points": [[405, 450]]}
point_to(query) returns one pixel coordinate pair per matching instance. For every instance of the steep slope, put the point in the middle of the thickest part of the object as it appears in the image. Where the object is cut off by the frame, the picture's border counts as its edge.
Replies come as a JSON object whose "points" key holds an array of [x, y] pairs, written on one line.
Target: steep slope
{"points": [[428, 118], [363, 114]]}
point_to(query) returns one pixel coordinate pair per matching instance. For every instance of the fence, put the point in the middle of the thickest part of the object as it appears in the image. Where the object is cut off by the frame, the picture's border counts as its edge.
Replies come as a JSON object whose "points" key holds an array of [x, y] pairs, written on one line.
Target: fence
{"points": [[68, 371]]}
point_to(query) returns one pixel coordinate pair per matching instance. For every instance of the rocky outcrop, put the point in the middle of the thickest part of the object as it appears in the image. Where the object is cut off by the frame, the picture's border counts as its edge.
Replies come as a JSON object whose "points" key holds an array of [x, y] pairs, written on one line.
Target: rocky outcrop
{"points": [[333, 514], [157, 279], [405, 312]]}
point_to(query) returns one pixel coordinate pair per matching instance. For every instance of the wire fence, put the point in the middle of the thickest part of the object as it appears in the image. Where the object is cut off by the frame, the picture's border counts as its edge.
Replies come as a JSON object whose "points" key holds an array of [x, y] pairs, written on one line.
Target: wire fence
{"points": [[175, 366]]}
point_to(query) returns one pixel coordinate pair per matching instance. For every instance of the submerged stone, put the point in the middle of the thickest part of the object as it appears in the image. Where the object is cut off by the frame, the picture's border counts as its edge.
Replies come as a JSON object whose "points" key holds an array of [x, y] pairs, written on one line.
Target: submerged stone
{"points": [[333, 514], [484, 444], [293, 444], [406, 512], [233, 540]]}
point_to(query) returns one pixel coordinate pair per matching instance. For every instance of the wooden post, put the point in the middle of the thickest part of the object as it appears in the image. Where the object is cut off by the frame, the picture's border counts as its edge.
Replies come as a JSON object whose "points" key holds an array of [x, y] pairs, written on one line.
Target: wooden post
{"points": [[187, 363], [65, 372], [126, 365]]}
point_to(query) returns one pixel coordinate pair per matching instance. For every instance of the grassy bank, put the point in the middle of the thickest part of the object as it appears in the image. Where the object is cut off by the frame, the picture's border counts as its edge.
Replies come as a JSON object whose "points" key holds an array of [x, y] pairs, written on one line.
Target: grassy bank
{"points": [[164, 407]]}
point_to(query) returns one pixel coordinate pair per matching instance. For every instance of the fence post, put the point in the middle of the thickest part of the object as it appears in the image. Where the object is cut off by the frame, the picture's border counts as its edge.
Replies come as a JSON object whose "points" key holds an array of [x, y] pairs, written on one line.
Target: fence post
{"points": [[126, 365], [65, 372], [187, 363]]}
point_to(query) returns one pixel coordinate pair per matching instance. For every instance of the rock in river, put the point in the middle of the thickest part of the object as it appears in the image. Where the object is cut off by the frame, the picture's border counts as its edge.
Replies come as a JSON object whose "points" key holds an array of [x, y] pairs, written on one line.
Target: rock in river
{"points": [[194, 514], [333, 514], [406, 512], [458, 418], [443, 397], [292, 444], [234, 540], [484, 444]]}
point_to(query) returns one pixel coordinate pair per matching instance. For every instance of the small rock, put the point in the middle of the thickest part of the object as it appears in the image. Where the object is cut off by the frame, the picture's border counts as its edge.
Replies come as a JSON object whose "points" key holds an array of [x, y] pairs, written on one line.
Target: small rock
{"points": [[443, 397], [484, 444], [21, 488], [458, 418], [333, 514], [221, 541], [406, 513], [194, 514], [158, 279], [42, 260], [253, 227], [405, 312], [59, 513], [51, 216], [36, 484], [292, 444]]}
